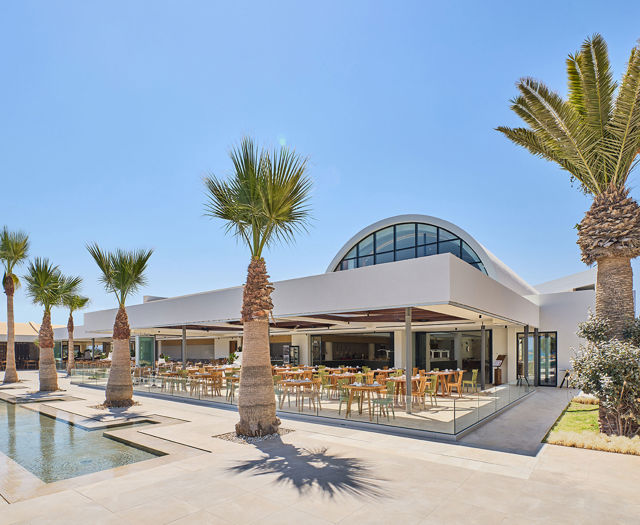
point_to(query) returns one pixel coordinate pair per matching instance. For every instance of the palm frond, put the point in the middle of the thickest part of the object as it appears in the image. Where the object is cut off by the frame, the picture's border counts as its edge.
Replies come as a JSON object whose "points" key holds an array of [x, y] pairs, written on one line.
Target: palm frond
{"points": [[75, 302], [122, 270], [624, 126], [14, 250], [266, 198], [591, 84], [44, 283], [590, 135]]}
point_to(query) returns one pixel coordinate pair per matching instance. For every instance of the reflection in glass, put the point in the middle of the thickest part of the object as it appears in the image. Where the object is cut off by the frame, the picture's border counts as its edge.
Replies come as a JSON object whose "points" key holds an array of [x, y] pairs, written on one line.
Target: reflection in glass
{"points": [[384, 257], [452, 247], [427, 234], [384, 240], [405, 236], [366, 246]]}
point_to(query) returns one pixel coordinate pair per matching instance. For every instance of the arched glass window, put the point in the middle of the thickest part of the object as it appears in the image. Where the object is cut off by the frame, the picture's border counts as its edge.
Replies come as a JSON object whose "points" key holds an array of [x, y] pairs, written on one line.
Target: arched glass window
{"points": [[408, 241]]}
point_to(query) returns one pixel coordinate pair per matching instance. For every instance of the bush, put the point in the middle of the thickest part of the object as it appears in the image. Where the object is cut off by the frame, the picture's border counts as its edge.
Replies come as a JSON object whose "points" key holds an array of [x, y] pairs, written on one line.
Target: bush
{"points": [[594, 329], [611, 371], [632, 332]]}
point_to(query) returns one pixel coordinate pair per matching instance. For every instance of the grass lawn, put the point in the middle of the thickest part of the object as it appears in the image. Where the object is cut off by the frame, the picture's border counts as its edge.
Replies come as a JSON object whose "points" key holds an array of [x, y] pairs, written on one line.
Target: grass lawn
{"points": [[578, 417], [577, 426]]}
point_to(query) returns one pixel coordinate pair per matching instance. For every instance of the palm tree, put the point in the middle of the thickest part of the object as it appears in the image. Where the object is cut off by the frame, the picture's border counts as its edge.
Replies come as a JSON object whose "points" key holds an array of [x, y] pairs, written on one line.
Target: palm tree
{"points": [[264, 201], [594, 134], [14, 249], [47, 287], [73, 302], [122, 274]]}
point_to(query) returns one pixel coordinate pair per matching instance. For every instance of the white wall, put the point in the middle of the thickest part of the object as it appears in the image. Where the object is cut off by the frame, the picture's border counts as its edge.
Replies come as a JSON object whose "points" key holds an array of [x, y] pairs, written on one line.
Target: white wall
{"points": [[302, 340], [562, 312]]}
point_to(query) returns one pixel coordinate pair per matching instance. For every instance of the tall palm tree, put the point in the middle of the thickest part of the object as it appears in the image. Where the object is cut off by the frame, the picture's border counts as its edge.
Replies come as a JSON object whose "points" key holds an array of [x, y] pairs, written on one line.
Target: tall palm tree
{"points": [[264, 201], [122, 274], [73, 302], [47, 287], [14, 249], [594, 134]]}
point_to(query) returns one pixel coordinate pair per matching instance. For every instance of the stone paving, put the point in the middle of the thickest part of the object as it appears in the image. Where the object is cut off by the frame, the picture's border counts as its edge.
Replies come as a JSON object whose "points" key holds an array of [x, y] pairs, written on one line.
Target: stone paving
{"points": [[322, 474]]}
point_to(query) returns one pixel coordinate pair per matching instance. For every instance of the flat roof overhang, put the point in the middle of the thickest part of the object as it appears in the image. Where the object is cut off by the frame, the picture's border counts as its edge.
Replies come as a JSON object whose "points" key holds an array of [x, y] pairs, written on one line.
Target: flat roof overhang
{"points": [[443, 288]]}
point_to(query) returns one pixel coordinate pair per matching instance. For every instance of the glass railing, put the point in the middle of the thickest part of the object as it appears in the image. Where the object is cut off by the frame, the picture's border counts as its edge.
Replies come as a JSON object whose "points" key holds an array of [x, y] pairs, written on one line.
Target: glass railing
{"points": [[374, 404]]}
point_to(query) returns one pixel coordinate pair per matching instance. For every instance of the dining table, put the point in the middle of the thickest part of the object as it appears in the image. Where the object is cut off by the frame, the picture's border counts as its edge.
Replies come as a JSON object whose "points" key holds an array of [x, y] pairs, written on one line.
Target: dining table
{"points": [[443, 377], [364, 390]]}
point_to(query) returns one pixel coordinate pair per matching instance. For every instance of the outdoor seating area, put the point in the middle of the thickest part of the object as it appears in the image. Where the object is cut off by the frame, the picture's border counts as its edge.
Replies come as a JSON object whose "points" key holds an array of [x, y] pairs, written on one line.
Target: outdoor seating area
{"points": [[442, 401]]}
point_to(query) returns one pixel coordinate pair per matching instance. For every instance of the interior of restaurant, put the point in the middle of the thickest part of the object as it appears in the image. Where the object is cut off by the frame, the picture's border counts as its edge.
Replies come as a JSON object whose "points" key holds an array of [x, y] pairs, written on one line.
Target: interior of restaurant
{"points": [[374, 350], [453, 350]]}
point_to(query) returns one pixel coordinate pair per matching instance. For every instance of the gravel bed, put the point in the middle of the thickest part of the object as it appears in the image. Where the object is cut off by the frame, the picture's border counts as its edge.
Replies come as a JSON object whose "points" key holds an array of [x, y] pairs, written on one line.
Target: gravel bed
{"points": [[246, 440]]}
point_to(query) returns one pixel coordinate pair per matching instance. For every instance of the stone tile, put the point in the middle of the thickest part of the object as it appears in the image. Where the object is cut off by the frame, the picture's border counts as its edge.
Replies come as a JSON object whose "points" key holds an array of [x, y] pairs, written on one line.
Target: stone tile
{"points": [[160, 510], [244, 509]]}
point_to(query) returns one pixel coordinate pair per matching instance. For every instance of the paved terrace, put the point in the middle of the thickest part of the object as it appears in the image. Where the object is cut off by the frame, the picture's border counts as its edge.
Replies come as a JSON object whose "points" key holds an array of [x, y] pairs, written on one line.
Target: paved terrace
{"points": [[321, 474]]}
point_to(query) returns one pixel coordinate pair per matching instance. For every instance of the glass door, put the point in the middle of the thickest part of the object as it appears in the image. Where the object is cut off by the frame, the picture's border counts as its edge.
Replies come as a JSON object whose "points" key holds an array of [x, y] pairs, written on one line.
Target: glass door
{"points": [[548, 362], [547, 358]]}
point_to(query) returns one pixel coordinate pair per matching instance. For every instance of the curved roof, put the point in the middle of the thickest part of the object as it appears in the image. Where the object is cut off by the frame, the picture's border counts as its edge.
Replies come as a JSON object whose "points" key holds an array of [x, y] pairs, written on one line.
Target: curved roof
{"points": [[495, 268]]}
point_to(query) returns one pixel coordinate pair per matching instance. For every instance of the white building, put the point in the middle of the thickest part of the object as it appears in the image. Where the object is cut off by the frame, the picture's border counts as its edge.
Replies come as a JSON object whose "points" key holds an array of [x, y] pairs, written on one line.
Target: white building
{"points": [[357, 311]]}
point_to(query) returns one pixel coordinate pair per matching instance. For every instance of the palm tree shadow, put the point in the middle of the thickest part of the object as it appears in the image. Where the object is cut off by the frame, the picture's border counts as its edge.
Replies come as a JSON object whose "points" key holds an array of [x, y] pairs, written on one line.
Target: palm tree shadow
{"points": [[307, 469]]}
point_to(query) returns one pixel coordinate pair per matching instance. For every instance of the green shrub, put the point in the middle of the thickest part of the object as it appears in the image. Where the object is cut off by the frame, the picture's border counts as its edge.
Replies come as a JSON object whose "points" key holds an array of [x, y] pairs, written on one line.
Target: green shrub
{"points": [[611, 371]]}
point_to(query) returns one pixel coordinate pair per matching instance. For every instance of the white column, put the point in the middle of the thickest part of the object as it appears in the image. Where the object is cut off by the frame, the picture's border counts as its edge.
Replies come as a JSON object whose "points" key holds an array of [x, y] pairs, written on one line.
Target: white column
{"points": [[457, 348], [137, 346], [372, 351], [398, 349], [428, 356], [302, 340], [183, 348], [328, 347], [408, 350]]}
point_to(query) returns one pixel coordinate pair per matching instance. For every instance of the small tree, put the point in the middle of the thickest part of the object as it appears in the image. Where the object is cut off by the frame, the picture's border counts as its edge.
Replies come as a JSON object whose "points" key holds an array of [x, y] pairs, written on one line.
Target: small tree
{"points": [[610, 371]]}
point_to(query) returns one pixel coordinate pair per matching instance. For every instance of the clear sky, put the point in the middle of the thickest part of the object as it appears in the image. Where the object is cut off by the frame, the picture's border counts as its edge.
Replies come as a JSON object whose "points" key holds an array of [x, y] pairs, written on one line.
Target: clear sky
{"points": [[112, 112]]}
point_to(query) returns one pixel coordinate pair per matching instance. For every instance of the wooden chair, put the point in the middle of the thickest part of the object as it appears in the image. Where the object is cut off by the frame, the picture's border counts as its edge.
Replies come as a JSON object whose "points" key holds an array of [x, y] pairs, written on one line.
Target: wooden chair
{"points": [[313, 393], [456, 383], [383, 402], [473, 382]]}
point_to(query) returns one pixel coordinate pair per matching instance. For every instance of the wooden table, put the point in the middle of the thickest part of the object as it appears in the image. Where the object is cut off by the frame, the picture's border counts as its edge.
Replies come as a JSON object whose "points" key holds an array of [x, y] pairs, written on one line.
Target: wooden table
{"points": [[442, 377], [401, 387], [362, 389], [296, 384]]}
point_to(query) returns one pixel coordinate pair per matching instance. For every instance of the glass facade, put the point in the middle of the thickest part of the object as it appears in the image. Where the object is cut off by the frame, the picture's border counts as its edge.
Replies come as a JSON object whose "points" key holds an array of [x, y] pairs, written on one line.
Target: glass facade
{"points": [[408, 241]]}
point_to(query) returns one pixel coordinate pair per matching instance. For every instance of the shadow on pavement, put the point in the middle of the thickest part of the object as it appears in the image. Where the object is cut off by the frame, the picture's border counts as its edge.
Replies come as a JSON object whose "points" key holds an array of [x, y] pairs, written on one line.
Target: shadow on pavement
{"points": [[308, 469]]}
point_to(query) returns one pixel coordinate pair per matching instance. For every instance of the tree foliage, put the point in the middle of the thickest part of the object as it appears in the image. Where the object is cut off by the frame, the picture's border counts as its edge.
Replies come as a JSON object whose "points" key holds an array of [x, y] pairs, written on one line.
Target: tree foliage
{"points": [[595, 133], [610, 371], [265, 200]]}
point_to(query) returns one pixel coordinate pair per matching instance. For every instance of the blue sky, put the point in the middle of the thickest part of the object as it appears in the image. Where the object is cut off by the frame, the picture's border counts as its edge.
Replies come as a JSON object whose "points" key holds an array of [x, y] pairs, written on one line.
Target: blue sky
{"points": [[111, 113]]}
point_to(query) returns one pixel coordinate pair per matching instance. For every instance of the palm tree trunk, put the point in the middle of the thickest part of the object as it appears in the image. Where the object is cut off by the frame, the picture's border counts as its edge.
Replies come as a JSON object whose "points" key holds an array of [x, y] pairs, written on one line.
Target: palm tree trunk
{"points": [[614, 293], [119, 391], [10, 373], [71, 355], [256, 396], [47, 366]]}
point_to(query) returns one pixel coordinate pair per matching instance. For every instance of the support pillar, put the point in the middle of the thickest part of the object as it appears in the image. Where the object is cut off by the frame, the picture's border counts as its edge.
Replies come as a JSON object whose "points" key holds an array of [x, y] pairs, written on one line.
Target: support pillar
{"points": [[137, 351], [483, 357], [536, 357], [525, 354], [183, 348], [408, 360], [428, 356], [93, 348]]}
